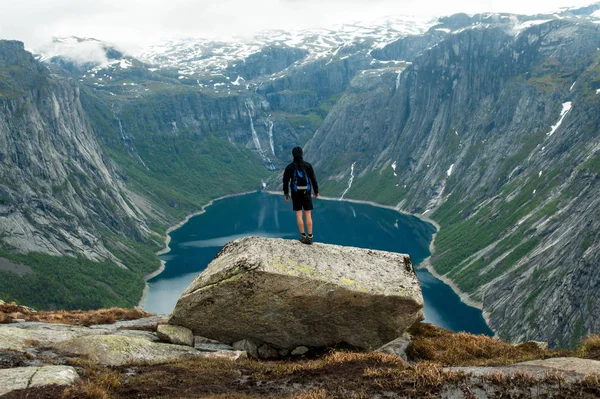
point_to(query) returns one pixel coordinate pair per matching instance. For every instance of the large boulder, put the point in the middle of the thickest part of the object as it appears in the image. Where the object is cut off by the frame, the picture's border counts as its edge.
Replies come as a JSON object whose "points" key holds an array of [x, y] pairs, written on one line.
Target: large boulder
{"points": [[288, 294]]}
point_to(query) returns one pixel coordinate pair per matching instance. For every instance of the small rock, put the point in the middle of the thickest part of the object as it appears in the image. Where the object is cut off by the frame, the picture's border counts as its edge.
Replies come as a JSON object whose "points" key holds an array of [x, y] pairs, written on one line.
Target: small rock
{"points": [[284, 353], [19, 320], [231, 355], [212, 347], [397, 347], [247, 345], [267, 352], [299, 351], [2, 302], [175, 334]]}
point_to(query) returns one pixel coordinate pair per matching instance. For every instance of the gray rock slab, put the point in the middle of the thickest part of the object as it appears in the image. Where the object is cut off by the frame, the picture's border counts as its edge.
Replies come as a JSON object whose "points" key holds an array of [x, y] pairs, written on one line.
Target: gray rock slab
{"points": [[228, 355], [146, 323], [280, 292], [17, 378], [150, 336], [29, 334], [54, 375], [566, 364], [212, 347], [572, 369], [118, 350], [33, 377]]}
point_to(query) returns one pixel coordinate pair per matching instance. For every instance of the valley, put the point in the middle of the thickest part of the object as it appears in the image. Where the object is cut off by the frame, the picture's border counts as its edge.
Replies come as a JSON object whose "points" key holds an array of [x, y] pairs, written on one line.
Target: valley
{"points": [[486, 123]]}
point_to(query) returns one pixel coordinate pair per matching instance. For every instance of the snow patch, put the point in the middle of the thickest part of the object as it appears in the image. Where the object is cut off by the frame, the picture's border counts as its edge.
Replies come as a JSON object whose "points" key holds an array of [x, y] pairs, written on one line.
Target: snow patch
{"points": [[237, 81], [573, 85], [566, 107], [449, 171], [394, 167], [124, 64], [540, 174]]}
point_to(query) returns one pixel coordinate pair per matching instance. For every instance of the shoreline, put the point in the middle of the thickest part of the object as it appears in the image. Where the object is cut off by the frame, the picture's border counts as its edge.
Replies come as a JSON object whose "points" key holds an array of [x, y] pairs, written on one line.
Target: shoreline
{"points": [[167, 249], [426, 263]]}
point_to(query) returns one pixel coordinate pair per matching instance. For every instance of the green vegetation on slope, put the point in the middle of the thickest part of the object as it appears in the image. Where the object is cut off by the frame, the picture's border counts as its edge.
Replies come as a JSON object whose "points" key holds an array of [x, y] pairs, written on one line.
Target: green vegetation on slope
{"points": [[62, 282]]}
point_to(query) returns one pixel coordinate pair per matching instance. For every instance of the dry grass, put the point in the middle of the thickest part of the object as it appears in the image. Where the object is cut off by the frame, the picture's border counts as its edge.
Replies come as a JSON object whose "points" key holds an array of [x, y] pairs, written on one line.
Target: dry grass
{"points": [[590, 347], [77, 317], [446, 348]]}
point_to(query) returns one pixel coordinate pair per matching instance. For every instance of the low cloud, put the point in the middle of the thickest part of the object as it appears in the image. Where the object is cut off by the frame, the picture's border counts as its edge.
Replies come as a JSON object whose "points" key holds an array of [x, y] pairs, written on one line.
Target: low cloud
{"points": [[135, 23]]}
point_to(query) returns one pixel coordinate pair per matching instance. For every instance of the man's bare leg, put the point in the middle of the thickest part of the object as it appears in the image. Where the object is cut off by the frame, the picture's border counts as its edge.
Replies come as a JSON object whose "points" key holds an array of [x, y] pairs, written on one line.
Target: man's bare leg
{"points": [[300, 222], [309, 223]]}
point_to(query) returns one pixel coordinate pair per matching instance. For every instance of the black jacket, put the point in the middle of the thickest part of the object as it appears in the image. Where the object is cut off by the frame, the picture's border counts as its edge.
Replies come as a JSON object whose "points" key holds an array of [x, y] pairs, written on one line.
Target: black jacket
{"points": [[289, 175]]}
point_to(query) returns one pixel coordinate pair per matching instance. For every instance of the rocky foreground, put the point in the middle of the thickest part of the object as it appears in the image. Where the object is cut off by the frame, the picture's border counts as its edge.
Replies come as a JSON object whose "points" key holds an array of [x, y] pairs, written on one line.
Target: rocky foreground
{"points": [[332, 322]]}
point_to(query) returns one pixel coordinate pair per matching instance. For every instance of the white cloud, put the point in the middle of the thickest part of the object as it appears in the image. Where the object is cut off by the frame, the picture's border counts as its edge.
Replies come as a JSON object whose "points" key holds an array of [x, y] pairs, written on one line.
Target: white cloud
{"points": [[133, 23]]}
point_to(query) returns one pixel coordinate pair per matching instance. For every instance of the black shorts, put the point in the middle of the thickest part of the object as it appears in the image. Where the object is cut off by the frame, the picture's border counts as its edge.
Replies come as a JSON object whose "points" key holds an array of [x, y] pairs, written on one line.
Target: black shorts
{"points": [[302, 201]]}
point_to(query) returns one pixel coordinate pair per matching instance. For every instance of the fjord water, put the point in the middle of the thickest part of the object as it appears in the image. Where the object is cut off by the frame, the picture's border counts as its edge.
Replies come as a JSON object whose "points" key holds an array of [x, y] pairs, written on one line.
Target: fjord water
{"points": [[195, 244]]}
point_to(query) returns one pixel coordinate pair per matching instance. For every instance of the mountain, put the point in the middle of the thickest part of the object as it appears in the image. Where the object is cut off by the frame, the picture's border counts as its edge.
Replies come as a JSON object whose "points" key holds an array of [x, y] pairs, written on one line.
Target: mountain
{"points": [[486, 123], [66, 218], [492, 132]]}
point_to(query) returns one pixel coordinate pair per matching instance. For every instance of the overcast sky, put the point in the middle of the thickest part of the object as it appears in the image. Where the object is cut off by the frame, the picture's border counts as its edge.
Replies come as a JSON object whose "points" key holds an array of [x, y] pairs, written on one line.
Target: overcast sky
{"points": [[138, 22]]}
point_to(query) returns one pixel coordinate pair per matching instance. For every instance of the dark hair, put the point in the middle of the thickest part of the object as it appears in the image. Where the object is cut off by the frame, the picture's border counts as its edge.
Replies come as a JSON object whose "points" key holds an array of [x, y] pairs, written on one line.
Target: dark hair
{"points": [[297, 152]]}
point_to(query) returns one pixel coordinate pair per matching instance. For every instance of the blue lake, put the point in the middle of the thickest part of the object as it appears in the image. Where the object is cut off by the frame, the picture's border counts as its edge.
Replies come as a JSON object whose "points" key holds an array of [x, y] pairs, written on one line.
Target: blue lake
{"points": [[194, 245]]}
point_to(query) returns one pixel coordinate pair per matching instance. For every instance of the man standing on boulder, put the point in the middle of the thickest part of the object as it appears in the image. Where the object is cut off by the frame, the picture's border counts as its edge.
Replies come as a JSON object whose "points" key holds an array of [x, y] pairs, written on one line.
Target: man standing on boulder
{"points": [[303, 182]]}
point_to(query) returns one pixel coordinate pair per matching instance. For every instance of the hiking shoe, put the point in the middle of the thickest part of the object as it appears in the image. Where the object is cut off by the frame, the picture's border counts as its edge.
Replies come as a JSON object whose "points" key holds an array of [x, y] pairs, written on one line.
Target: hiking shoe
{"points": [[303, 239], [309, 240]]}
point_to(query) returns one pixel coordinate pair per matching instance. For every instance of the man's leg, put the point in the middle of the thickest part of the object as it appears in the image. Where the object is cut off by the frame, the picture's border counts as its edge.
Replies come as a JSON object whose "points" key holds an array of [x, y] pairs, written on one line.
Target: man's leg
{"points": [[300, 222], [309, 223]]}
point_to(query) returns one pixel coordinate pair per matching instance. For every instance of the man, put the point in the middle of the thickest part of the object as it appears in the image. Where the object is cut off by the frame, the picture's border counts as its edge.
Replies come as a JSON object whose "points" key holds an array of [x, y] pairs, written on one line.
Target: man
{"points": [[301, 176]]}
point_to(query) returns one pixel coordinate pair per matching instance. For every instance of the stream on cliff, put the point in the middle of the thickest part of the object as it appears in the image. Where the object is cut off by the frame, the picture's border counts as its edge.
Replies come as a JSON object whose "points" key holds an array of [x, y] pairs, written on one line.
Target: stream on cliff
{"points": [[195, 244]]}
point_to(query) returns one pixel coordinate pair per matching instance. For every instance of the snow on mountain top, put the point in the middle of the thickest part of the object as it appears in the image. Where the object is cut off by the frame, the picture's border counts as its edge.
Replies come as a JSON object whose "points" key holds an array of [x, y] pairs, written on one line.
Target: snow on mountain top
{"points": [[198, 55]]}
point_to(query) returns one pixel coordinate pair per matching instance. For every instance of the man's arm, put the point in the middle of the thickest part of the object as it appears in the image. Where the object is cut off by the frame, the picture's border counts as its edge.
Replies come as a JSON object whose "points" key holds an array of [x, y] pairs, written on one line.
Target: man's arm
{"points": [[286, 182], [313, 180]]}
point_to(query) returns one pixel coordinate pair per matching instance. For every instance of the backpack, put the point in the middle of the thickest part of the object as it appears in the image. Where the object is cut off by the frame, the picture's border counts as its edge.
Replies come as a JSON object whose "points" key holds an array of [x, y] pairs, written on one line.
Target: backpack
{"points": [[300, 183]]}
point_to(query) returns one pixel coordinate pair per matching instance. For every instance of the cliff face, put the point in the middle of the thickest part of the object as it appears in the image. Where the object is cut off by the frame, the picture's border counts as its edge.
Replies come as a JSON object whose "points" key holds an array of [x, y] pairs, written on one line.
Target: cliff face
{"points": [[57, 187], [496, 135]]}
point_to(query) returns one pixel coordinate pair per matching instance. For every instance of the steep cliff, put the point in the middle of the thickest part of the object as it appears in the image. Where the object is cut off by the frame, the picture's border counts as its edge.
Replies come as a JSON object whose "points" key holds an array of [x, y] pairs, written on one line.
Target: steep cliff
{"points": [[494, 132], [60, 196]]}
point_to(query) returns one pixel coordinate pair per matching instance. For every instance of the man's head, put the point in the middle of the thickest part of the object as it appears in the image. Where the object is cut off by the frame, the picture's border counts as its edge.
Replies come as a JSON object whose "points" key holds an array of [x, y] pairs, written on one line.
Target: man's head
{"points": [[297, 152]]}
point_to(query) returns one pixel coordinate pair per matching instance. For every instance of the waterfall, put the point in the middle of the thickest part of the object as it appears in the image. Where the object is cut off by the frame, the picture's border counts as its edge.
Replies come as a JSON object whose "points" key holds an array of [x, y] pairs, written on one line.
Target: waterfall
{"points": [[349, 181], [250, 107], [269, 125], [127, 141], [398, 80]]}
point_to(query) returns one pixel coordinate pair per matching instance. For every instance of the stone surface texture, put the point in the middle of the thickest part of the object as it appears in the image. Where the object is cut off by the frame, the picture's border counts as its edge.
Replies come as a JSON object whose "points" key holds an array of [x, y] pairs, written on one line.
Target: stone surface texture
{"points": [[35, 377], [282, 293], [175, 334], [397, 347], [115, 350]]}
